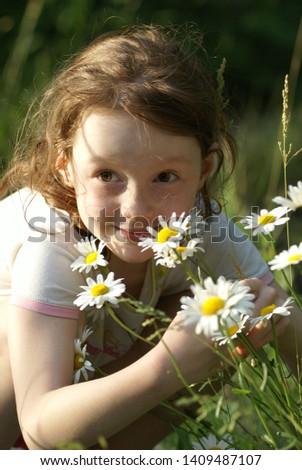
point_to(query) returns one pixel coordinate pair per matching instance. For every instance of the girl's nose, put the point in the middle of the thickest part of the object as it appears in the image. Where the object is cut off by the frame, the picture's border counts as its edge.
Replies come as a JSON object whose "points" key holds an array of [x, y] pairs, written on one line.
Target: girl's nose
{"points": [[137, 203]]}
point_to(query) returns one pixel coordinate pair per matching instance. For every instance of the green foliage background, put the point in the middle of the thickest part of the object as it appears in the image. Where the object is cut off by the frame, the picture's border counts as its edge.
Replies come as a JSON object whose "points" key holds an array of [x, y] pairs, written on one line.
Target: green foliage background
{"points": [[260, 39]]}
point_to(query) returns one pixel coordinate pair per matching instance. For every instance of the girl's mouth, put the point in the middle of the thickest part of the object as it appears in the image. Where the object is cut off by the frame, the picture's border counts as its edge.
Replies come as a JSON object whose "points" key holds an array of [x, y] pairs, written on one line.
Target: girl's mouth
{"points": [[133, 235]]}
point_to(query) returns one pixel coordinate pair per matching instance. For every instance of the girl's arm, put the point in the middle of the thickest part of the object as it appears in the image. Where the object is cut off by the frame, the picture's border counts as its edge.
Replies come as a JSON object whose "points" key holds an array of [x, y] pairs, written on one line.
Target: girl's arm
{"points": [[158, 425], [51, 410], [9, 426]]}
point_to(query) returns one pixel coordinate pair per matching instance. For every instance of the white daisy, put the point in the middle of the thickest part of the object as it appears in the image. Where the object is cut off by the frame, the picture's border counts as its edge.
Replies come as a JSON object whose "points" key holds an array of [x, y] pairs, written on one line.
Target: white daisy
{"points": [[212, 443], [212, 303], [295, 197], [81, 364], [287, 257], [267, 312], [96, 293], [84, 333], [168, 236], [91, 255], [230, 329], [266, 221], [171, 257]]}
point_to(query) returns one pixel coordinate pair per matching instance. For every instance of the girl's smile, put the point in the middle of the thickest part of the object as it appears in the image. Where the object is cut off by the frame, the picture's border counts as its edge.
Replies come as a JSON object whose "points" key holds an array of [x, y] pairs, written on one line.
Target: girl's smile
{"points": [[124, 166], [132, 235]]}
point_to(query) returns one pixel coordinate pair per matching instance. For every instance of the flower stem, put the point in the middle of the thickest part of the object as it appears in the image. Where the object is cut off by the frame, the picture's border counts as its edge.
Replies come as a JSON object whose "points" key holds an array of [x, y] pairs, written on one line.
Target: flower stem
{"points": [[133, 333]]}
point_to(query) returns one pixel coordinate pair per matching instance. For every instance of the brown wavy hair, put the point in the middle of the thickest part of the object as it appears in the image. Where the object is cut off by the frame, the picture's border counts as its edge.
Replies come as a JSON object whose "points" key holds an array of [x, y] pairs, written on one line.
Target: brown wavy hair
{"points": [[147, 71]]}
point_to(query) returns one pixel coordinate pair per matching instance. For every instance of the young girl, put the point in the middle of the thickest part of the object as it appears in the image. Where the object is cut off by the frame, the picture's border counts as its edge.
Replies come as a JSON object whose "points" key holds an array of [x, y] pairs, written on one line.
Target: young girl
{"points": [[130, 130]]}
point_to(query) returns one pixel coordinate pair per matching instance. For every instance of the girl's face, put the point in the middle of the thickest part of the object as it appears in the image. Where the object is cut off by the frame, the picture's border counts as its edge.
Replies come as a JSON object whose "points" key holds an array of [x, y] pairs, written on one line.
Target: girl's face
{"points": [[125, 173]]}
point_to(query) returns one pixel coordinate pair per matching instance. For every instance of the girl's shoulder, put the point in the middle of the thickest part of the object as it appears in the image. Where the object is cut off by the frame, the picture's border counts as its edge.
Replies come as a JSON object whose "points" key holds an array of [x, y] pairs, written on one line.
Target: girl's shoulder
{"points": [[27, 210], [38, 248], [229, 251], [27, 218]]}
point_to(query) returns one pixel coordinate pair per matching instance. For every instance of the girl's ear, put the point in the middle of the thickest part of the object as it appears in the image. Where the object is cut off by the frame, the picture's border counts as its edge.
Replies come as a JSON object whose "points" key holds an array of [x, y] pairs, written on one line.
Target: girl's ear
{"points": [[208, 164], [64, 167]]}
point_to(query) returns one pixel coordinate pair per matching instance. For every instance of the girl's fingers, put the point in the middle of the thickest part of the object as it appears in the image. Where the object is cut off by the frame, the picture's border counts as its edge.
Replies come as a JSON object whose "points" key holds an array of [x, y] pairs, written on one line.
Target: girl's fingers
{"points": [[263, 333], [264, 295]]}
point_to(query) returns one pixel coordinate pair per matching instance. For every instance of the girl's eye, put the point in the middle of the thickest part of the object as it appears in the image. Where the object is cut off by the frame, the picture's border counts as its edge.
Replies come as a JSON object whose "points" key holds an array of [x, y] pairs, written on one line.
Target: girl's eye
{"points": [[108, 177], [166, 177]]}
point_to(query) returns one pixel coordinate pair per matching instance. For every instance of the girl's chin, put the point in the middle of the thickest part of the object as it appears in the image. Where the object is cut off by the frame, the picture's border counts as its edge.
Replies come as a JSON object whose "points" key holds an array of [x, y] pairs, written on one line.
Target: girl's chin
{"points": [[130, 252]]}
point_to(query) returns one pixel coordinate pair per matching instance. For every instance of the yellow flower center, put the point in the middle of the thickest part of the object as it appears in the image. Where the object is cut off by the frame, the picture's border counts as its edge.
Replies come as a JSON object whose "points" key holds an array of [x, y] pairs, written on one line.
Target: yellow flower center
{"points": [[267, 310], [91, 257], [99, 289], [215, 448], [165, 233], [266, 219], [181, 249], [293, 258], [232, 330], [212, 305], [78, 361]]}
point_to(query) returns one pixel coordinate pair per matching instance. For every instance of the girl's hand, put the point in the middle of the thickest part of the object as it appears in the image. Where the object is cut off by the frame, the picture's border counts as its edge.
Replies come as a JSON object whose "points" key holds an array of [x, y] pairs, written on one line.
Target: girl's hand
{"points": [[197, 357], [265, 295]]}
